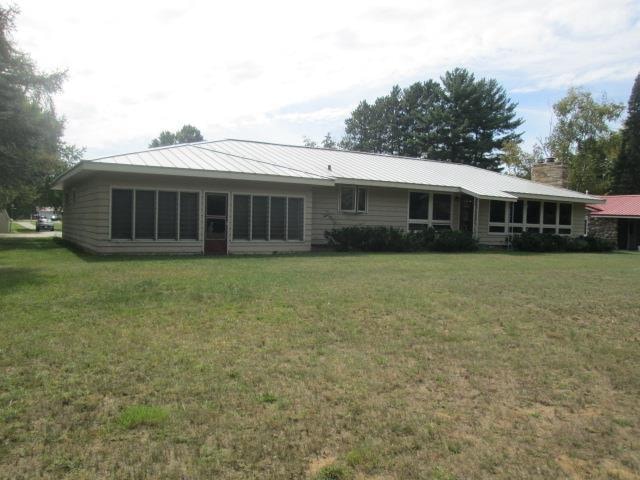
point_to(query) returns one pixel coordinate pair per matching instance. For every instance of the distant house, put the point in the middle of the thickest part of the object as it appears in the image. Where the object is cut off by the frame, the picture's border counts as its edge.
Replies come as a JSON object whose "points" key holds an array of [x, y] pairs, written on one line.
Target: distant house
{"points": [[5, 222], [235, 196], [617, 219]]}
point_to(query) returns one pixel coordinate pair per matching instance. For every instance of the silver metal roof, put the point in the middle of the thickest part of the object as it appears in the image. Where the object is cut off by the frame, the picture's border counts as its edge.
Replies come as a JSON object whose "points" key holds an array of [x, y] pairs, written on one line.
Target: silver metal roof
{"points": [[275, 162]]}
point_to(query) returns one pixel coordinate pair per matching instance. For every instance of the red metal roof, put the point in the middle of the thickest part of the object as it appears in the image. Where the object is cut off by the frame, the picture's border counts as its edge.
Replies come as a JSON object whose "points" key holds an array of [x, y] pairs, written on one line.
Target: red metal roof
{"points": [[617, 206]]}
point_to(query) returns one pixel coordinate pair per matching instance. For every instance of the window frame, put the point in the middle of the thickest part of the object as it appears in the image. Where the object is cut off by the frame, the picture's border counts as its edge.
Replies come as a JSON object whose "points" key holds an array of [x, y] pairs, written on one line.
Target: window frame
{"points": [[539, 226], [155, 238], [429, 222], [286, 218], [356, 197]]}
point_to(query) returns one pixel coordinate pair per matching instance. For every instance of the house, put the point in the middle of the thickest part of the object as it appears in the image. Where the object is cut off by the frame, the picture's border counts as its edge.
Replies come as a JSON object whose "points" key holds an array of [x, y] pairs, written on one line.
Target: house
{"points": [[5, 222], [617, 219], [236, 196]]}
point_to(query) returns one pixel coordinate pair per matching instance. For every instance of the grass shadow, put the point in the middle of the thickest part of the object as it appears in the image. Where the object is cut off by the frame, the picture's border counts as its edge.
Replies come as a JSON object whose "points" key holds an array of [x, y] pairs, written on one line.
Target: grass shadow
{"points": [[13, 278]]}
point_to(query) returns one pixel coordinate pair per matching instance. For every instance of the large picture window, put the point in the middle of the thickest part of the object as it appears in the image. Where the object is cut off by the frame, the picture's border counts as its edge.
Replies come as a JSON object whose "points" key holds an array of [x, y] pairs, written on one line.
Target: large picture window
{"points": [[530, 215], [429, 210], [150, 215], [261, 217]]}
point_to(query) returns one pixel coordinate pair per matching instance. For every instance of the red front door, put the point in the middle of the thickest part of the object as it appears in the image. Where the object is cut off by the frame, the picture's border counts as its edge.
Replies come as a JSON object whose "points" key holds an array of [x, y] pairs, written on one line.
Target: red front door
{"points": [[215, 223]]}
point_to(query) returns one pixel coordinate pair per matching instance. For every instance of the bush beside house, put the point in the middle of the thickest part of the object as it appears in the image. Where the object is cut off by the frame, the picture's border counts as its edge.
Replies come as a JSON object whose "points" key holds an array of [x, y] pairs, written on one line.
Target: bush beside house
{"points": [[389, 239], [546, 242]]}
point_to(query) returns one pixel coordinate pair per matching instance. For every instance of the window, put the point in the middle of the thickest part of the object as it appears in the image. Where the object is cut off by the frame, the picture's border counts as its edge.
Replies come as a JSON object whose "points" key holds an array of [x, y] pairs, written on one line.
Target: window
{"points": [[362, 200], [295, 219], [353, 199], [145, 214], [121, 214], [441, 206], [547, 217], [517, 215], [259, 218], [497, 211], [565, 214], [549, 213], [150, 214], [348, 199], [278, 218], [241, 216], [533, 212], [419, 206], [167, 215], [188, 216], [429, 210]]}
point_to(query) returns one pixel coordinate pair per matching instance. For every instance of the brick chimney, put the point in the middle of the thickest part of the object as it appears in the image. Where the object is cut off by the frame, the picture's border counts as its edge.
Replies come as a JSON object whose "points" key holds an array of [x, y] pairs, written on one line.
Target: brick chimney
{"points": [[550, 172]]}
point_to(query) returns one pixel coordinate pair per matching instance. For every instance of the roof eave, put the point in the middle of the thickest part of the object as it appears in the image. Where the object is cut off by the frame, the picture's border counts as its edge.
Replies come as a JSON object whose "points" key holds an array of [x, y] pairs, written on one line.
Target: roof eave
{"points": [[182, 172]]}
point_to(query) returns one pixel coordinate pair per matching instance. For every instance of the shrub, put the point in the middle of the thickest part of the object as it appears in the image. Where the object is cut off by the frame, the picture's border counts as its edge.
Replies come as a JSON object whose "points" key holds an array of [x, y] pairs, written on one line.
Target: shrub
{"points": [[139, 415], [453, 241], [389, 239], [546, 242]]}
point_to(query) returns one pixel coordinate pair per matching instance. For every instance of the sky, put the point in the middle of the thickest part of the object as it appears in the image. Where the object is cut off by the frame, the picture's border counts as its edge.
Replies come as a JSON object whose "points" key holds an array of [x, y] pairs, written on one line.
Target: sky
{"points": [[280, 70]]}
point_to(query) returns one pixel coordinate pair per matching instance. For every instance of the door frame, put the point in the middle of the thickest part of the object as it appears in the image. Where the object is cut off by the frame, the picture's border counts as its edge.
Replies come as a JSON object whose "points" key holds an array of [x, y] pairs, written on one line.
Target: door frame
{"points": [[204, 219]]}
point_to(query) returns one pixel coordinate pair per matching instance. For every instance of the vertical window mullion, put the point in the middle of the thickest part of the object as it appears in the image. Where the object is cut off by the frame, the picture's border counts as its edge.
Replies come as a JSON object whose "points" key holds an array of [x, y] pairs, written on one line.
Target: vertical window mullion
{"points": [[178, 203], [250, 217], [155, 230], [133, 215], [286, 218], [269, 218], [430, 210]]}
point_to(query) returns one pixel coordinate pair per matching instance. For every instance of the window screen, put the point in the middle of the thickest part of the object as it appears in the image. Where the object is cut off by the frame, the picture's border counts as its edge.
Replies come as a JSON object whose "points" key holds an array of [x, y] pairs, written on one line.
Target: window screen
{"points": [[295, 228], [241, 207], [145, 214], [565, 214], [441, 207], [419, 206], [496, 212], [518, 210], [121, 213], [549, 213], [362, 200], [348, 199], [188, 216], [533, 213], [278, 218], [167, 215], [259, 218]]}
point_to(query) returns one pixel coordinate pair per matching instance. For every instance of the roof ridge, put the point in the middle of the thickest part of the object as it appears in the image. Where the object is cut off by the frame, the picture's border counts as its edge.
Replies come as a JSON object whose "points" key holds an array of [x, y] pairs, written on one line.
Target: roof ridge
{"points": [[153, 149]]}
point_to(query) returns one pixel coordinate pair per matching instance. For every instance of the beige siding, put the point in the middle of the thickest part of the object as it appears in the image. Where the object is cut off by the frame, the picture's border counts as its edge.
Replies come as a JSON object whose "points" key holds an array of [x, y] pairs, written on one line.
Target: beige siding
{"points": [[386, 207], [87, 220]]}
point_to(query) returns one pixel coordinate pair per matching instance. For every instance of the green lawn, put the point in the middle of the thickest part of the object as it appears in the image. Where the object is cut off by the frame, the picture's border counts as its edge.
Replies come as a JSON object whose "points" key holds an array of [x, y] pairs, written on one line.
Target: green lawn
{"points": [[369, 366]]}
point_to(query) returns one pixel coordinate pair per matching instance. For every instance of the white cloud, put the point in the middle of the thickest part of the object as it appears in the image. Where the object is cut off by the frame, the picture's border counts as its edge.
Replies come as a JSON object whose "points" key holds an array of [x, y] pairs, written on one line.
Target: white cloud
{"points": [[136, 68]]}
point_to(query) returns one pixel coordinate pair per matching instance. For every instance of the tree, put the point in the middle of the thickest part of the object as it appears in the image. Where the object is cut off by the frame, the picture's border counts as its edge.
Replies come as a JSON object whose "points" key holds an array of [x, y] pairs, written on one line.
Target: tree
{"points": [[518, 162], [459, 120], [30, 130], [187, 134], [329, 142], [582, 139], [626, 169], [471, 121]]}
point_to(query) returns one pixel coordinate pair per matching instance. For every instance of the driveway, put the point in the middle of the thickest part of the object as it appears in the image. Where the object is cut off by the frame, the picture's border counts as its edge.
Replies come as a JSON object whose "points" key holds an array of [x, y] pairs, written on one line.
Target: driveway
{"points": [[30, 226]]}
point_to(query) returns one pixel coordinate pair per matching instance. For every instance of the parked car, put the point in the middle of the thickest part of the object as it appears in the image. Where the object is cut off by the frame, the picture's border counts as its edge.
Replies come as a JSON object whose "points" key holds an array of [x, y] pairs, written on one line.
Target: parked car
{"points": [[43, 223]]}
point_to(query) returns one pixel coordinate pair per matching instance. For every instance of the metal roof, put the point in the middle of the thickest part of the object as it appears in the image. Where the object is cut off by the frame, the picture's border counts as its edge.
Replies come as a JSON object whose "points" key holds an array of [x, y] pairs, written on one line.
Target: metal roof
{"points": [[269, 161], [617, 206]]}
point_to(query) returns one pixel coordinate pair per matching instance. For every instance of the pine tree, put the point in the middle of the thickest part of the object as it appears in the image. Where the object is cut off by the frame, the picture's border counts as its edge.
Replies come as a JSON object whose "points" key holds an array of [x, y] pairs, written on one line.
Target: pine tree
{"points": [[626, 170]]}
